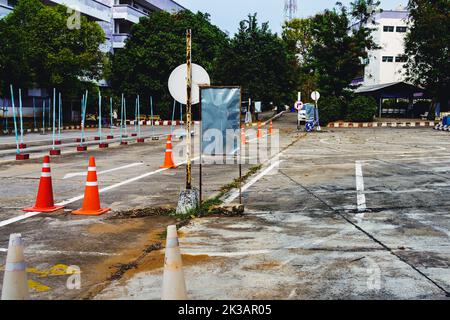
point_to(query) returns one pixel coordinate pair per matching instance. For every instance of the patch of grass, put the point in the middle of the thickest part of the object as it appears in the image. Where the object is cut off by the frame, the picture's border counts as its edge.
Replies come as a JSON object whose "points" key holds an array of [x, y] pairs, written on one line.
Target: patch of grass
{"points": [[235, 183]]}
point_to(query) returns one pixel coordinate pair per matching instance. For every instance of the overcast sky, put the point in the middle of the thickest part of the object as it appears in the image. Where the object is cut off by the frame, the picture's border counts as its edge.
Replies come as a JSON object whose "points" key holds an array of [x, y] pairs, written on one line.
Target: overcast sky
{"points": [[227, 13]]}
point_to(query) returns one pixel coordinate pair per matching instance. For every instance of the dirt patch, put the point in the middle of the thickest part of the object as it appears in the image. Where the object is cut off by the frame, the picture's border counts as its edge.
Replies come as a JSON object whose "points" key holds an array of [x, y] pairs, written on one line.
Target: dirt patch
{"points": [[266, 265], [101, 228], [143, 212]]}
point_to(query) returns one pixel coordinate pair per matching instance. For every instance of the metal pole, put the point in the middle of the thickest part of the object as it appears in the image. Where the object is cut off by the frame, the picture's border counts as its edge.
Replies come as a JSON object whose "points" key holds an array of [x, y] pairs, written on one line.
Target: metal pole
{"points": [[121, 119], [21, 116], [139, 115], [173, 115], [151, 112], [15, 121], [34, 112], [60, 118], [43, 116], [100, 115], [111, 115], [188, 110], [54, 111]]}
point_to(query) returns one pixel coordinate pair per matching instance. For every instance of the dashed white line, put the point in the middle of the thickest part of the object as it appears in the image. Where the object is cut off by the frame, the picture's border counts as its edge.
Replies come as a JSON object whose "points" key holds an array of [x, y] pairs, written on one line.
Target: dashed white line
{"points": [[360, 196]]}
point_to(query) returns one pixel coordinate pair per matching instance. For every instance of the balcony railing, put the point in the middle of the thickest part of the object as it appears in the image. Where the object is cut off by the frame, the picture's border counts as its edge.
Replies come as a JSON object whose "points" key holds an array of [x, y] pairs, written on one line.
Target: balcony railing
{"points": [[92, 8], [119, 40], [124, 11]]}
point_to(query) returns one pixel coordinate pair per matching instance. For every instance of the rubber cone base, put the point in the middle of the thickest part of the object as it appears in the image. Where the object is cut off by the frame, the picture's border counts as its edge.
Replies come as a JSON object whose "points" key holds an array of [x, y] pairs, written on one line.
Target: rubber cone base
{"points": [[58, 142], [141, 140], [134, 134], [55, 152], [110, 137], [79, 140], [81, 148], [96, 138], [22, 156], [103, 145], [168, 167], [22, 146], [35, 209], [123, 143], [99, 212]]}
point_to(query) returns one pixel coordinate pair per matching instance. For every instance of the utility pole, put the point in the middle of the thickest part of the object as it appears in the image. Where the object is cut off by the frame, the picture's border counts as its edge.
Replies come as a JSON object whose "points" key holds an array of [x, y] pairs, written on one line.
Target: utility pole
{"points": [[188, 111]]}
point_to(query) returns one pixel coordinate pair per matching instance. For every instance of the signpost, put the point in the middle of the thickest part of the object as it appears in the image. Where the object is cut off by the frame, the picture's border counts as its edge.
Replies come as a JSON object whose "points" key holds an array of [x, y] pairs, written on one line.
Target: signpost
{"points": [[315, 95]]}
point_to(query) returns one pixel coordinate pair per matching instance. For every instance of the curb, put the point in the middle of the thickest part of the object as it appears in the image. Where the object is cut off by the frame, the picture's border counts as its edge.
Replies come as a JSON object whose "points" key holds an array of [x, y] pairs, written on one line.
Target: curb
{"points": [[411, 124]]}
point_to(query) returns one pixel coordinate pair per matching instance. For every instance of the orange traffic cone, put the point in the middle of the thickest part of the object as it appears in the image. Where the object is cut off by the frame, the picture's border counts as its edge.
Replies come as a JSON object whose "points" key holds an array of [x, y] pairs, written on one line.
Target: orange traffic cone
{"points": [[168, 158], [44, 199], [243, 137], [270, 127], [91, 202], [259, 134]]}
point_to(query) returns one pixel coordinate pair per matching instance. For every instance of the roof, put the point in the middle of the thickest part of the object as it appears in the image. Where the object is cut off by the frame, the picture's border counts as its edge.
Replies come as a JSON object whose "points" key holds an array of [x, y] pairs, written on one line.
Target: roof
{"points": [[376, 87], [398, 89]]}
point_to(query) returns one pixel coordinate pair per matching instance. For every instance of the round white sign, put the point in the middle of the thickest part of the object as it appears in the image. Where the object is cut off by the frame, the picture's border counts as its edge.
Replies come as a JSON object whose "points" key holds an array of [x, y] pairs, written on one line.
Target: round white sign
{"points": [[315, 95], [178, 83]]}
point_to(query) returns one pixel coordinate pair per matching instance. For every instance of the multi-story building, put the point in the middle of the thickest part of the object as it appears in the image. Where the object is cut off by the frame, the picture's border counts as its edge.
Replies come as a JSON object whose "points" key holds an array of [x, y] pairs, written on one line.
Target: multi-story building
{"points": [[115, 16], [386, 65]]}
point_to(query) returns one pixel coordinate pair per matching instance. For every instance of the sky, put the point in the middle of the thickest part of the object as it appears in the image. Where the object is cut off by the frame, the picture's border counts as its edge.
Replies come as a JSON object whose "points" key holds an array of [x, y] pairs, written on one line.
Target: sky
{"points": [[227, 13]]}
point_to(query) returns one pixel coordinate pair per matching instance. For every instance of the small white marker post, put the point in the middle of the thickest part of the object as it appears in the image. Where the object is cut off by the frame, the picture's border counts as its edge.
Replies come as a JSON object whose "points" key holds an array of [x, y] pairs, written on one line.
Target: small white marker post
{"points": [[315, 95]]}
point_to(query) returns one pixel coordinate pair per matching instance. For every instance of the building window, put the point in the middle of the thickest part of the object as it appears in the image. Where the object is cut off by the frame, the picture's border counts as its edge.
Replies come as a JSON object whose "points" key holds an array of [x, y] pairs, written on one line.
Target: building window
{"points": [[402, 29], [402, 58], [388, 59], [388, 28]]}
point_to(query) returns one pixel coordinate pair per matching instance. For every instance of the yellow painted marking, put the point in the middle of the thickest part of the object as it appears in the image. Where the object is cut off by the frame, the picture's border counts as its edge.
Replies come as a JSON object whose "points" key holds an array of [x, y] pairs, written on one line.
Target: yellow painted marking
{"points": [[38, 287]]}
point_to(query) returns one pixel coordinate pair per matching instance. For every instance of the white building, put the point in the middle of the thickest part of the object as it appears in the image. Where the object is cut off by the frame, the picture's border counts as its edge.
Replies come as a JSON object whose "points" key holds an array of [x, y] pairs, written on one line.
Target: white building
{"points": [[386, 65], [115, 16]]}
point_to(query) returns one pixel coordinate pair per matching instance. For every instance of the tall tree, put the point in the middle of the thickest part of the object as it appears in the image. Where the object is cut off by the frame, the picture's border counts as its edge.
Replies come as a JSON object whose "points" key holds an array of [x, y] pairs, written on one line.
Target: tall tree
{"points": [[38, 49], [157, 45], [428, 47], [297, 34], [258, 60], [342, 38]]}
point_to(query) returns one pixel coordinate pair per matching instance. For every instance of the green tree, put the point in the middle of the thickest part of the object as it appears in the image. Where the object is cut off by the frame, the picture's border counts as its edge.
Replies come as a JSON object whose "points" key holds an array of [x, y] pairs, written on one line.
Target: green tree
{"points": [[39, 50], [297, 34], [330, 109], [259, 61], [342, 38], [156, 46], [428, 47]]}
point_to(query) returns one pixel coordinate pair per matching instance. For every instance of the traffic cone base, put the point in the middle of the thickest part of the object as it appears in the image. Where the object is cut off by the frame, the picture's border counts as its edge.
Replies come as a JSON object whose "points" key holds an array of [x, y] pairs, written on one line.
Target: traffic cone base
{"points": [[45, 210], [103, 145], [55, 152], [22, 146], [22, 156], [57, 142], [99, 212], [110, 137], [134, 134]]}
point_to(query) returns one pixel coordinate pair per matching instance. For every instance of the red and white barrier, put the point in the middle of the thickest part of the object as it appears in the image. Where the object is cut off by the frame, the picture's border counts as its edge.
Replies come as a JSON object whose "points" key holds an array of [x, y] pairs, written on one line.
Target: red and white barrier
{"points": [[410, 124]]}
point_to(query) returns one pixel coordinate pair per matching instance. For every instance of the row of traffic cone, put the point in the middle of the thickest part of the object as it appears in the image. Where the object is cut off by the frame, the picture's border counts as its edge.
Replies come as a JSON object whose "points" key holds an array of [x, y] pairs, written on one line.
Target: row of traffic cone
{"points": [[15, 280], [259, 134], [45, 201]]}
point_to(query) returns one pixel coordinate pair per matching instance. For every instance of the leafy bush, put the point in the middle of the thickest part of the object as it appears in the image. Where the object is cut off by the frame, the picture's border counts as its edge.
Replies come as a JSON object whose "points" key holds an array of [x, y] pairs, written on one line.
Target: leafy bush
{"points": [[330, 109], [361, 109]]}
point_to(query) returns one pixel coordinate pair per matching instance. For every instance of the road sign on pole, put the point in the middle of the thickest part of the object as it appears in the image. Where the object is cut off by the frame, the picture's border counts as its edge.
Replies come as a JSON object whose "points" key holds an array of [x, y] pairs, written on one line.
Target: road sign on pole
{"points": [[315, 95]]}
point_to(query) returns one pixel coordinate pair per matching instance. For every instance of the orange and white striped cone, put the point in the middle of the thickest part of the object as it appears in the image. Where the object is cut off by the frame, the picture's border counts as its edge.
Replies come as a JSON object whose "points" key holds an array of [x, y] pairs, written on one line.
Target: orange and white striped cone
{"points": [[270, 127], [174, 285], [243, 137], [91, 202], [168, 157], [259, 134], [15, 283], [44, 199]]}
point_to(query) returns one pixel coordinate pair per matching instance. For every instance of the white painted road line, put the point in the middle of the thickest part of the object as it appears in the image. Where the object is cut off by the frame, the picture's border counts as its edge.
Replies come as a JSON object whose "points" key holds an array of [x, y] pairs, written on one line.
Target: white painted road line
{"points": [[76, 174], [360, 196], [70, 253], [74, 199], [235, 193]]}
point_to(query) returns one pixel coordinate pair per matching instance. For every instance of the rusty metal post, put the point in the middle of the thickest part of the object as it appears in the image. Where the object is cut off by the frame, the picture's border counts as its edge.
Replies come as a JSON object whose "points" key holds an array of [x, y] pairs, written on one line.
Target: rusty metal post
{"points": [[188, 111]]}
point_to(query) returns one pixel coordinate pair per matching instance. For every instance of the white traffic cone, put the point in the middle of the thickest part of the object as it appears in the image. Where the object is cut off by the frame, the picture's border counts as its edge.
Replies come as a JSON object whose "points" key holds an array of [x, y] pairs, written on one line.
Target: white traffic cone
{"points": [[174, 286], [15, 284]]}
